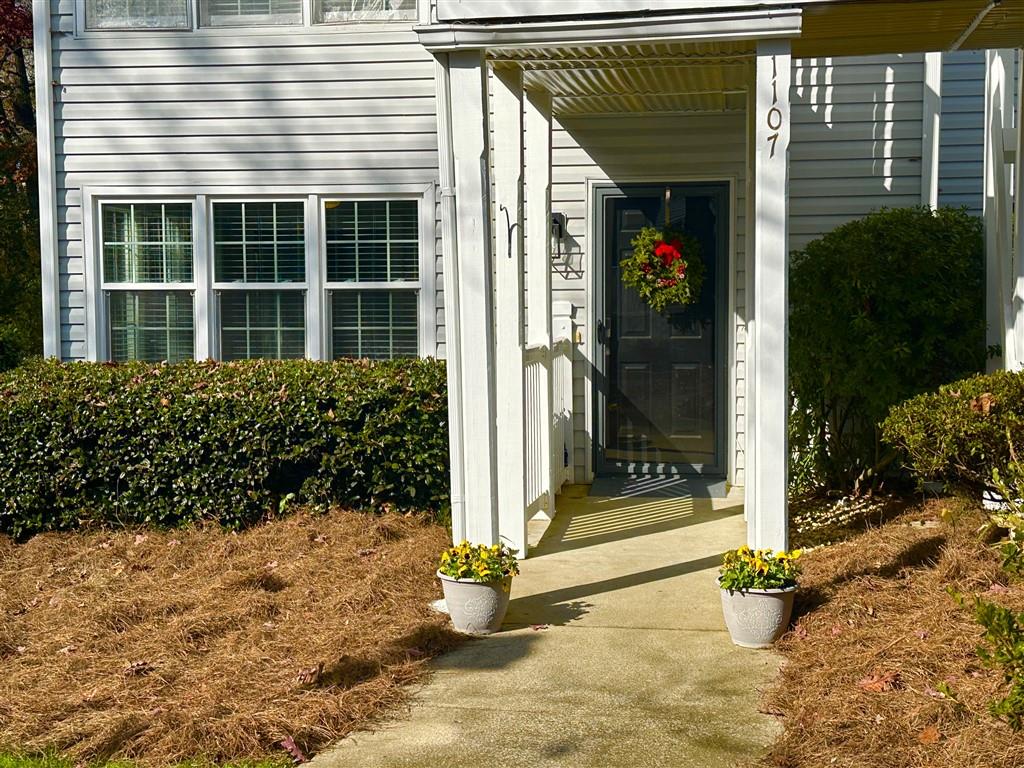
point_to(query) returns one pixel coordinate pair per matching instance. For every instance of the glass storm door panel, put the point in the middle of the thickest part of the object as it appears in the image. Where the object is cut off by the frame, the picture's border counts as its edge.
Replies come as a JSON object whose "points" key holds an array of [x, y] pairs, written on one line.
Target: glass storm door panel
{"points": [[663, 396]]}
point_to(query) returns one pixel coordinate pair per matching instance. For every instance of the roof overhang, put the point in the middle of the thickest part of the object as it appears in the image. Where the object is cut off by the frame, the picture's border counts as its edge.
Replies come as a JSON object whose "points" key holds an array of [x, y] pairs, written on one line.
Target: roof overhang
{"points": [[726, 26], [867, 27], [818, 28]]}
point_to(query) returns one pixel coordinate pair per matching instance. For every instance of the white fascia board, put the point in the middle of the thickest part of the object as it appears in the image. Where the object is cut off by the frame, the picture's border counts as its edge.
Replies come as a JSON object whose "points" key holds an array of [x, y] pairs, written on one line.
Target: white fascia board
{"points": [[475, 10], [741, 25]]}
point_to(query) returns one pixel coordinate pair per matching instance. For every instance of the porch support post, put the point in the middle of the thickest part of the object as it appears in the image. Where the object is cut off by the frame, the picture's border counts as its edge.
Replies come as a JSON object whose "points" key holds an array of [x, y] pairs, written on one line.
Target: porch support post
{"points": [[511, 391], [999, 285], [450, 260], [537, 131], [931, 106], [767, 521], [469, 131], [1017, 322]]}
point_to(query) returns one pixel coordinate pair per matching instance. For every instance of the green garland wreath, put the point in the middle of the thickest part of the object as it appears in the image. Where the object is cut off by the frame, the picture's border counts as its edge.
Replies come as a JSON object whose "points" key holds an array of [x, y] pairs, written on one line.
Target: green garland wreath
{"points": [[665, 268]]}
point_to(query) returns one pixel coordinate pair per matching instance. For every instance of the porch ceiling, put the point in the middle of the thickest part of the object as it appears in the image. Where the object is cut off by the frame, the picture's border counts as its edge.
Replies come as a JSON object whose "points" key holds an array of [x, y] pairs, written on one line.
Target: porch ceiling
{"points": [[865, 27], [649, 77]]}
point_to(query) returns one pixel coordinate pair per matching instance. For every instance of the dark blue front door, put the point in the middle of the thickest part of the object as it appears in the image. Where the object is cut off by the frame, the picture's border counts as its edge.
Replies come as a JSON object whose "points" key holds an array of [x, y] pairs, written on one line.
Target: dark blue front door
{"points": [[664, 371]]}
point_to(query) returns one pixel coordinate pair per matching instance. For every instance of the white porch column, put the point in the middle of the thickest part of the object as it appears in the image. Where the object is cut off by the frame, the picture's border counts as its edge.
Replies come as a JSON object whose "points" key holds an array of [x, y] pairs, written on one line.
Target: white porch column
{"points": [[931, 124], [469, 135], [537, 128], [452, 331], [768, 507], [1000, 280], [508, 236], [1017, 317]]}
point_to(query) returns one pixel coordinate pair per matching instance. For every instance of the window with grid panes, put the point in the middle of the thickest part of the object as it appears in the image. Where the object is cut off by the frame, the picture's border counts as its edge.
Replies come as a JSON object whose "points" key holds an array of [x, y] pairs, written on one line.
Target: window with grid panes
{"points": [[147, 276], [136, 14], [328, 11], [373, 277], [234, 13], [259, 272]]}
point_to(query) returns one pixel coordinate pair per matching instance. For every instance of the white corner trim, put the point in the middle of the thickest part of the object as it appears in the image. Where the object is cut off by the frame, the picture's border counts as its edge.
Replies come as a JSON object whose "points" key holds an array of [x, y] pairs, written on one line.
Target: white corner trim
{"points": [[48, 251], [732, 25], [931, 126]]}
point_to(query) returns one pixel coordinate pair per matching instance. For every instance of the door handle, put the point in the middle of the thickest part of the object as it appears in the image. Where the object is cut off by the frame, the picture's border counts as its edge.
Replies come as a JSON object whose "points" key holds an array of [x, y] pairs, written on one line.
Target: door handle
{"points": [[604, 332]]}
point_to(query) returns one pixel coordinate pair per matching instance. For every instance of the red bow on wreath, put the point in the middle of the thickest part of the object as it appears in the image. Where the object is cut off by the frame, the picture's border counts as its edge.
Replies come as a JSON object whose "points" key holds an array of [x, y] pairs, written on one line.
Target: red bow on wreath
{"points": [[670, 253]]}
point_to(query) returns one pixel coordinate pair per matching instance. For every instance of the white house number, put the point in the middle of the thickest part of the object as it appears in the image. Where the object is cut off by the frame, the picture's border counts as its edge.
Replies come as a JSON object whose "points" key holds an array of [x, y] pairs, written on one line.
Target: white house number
{"points": [[774, 116]]}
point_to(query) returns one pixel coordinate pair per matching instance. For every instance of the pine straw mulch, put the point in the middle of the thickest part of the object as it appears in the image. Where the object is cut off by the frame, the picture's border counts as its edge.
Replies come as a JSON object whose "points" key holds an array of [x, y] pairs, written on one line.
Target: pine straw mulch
{"points": [[878, 637], [166, 646]]}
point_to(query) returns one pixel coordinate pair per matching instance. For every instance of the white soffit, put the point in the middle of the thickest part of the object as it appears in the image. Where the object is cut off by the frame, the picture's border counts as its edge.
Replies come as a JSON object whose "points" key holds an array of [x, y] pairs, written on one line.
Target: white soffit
{"points": [[661, 77]]}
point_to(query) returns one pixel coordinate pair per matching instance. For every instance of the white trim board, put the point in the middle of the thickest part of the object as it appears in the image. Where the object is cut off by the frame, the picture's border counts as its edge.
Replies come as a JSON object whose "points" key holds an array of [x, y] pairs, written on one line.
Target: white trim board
{"points": [[736, 25]]}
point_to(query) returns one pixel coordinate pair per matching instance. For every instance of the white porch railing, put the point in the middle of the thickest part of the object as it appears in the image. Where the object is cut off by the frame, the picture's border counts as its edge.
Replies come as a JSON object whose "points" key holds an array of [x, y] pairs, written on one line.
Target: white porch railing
{"points": [[548, 423], [562, 430], [537, 363]]}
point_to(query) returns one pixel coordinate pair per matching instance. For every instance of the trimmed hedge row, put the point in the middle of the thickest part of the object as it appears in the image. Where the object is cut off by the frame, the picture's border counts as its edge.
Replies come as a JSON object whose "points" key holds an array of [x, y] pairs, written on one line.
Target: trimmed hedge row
{"points": [[88, 443], [964, 430]]}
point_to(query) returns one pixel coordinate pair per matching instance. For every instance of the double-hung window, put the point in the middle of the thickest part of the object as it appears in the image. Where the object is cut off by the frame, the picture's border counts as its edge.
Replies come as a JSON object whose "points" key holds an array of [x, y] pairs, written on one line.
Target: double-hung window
{"points": [[137, 14], [237, 13], [372, 275], [328, 11], [259, 274], [148, 280]]}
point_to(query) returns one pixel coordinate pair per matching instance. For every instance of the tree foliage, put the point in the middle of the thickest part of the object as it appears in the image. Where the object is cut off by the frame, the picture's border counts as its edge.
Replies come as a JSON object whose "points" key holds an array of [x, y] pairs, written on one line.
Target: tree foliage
{"points": [[882, 309], [20, 311]]}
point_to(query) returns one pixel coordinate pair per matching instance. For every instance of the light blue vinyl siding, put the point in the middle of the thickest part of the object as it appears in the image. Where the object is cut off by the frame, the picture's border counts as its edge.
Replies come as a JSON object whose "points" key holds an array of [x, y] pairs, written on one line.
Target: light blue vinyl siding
{"points": [[962, 134], [346, 106]]}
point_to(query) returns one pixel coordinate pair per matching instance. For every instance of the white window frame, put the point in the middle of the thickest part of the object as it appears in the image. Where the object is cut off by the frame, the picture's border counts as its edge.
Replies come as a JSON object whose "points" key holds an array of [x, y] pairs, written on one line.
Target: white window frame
{"points": [[426, 308], [217, 288], [203, 287], [261, 20], [316, 17], [98, 343], [82, 23], [197, 26]]}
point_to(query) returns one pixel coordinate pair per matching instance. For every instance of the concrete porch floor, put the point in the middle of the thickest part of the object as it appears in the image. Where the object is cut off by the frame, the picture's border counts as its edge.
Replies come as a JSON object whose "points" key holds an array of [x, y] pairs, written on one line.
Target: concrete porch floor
{"points": [[635, 667]]}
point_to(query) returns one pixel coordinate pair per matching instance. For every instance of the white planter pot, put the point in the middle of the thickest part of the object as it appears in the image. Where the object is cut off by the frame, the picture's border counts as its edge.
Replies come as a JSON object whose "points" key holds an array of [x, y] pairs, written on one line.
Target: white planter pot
{"points": [[994, 502], [756, 618], [476, 608]]}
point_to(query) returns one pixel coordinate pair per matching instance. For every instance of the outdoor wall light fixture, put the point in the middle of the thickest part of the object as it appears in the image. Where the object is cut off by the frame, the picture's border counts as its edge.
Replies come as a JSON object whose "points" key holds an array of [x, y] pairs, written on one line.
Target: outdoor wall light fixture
{"points": [[558, 232]]}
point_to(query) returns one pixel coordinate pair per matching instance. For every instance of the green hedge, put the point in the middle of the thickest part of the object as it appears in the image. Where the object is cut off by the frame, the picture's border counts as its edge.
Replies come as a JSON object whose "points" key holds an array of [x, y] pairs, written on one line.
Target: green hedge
{"points": [[882, 309], [963, 431], [87, 443]]}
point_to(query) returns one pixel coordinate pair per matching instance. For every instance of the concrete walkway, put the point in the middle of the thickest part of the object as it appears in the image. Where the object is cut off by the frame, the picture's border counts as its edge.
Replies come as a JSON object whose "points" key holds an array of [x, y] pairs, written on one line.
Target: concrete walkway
{"points": [[634, 668]]}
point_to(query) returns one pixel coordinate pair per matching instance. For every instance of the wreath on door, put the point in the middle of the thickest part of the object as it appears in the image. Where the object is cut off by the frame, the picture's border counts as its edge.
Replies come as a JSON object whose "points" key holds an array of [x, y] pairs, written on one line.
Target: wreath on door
{"points": [[665, 268]]}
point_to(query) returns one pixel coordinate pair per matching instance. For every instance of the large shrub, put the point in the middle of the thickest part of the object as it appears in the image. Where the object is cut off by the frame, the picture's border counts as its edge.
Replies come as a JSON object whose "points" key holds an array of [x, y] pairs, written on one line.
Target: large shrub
{"points": [[881, 309], [86, 443], [964, 430]]}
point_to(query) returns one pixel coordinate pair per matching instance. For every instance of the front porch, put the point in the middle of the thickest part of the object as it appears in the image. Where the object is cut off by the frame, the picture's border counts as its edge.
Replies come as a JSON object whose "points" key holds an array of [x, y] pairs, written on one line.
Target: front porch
{"points": [[689, 98], [675, 116]]}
